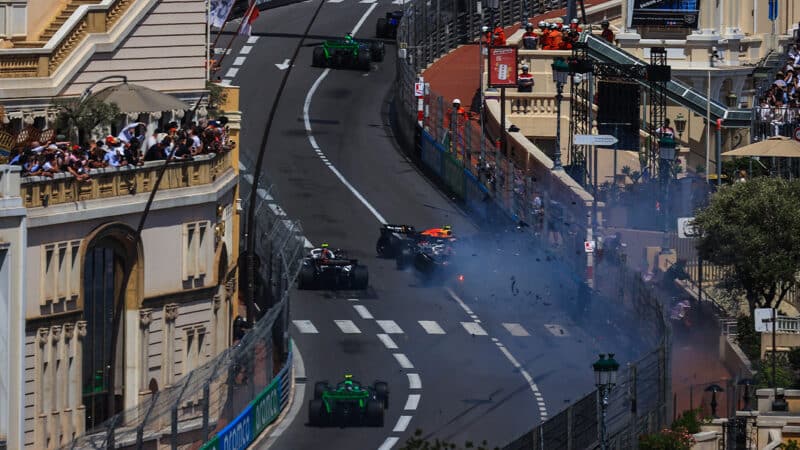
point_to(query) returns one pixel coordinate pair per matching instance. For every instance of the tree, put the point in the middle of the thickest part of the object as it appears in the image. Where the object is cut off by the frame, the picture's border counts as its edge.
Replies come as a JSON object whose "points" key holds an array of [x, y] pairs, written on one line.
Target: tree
{"points": [[753, 229], [81, 117]]}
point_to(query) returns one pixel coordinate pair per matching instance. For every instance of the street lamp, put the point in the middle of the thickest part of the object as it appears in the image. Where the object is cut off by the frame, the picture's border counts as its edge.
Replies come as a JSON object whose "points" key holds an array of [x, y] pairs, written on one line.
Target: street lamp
{"points": [[680, 125], [666, 152], [714, 388], [560, 75], [747, 382], [605, 372]]}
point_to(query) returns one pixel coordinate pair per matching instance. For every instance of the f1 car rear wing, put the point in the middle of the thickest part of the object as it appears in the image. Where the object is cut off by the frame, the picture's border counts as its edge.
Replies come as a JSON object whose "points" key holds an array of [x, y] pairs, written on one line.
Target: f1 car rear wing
{"points": [[399, 228]]}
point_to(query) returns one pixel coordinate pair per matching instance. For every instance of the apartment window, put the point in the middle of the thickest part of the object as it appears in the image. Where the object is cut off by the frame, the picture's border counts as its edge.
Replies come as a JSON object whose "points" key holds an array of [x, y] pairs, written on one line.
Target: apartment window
{"points": [[195, 247], [13, 18]]}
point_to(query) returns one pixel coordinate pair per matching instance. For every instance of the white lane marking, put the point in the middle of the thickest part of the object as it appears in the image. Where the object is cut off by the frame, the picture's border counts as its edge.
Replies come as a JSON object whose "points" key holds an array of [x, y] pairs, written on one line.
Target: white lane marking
{"points": [[556, 330], [231, 72], [527, 376], [305, 326], [412, 402], [474, 329], [225, 82], [276, 209], [368, 1], [334, 1], [389, 326], [414, 382], [347, 326], [459, 301], [239, 60], [220, 50], [389, 443], [352, 299], [387, 341], [252, 39], [363, 312], [245, 50], [402, 424], [431, 327], [313, 141], [398, 2], [402, 359], [516, 329]]}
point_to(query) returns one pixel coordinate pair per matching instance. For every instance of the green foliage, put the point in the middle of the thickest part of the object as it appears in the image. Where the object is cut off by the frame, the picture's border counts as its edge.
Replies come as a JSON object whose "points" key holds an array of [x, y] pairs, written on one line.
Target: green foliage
{"points": [[791, 445], [753, 229], [216, 97], [747, 338], [79, 118], [784, 374], [794, 359], [418, 442], [689, 420], [667, 439]]}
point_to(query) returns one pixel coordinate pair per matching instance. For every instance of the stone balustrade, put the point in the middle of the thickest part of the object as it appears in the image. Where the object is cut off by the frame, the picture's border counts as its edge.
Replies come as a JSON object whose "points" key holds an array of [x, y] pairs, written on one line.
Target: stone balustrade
{"points": [[43, 62], [123, 181]]}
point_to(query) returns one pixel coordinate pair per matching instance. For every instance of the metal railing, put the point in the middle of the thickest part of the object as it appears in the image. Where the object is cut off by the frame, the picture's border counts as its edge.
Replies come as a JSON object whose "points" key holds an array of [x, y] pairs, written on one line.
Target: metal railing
{"points": [[249, 377]]}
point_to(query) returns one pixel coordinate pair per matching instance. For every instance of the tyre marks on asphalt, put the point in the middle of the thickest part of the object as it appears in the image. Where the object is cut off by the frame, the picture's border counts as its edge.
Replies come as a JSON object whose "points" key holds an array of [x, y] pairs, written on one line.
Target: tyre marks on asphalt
{"points": [[414, 380], [469, 326]]}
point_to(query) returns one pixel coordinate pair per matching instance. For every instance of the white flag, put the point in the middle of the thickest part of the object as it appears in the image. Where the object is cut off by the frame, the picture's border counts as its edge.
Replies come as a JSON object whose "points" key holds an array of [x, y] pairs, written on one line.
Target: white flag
{"points": [[219, 11]]}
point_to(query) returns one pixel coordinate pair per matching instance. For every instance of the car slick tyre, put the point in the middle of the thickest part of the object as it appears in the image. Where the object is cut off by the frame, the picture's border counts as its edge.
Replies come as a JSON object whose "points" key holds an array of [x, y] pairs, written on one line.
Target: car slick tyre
{"points": [[363, 60], [320, 388], [377, 50], [317, 416], [403, 258], [380, 28], [382, 393], [305, 279], [374, 413], [360, 277], [318, 57]]}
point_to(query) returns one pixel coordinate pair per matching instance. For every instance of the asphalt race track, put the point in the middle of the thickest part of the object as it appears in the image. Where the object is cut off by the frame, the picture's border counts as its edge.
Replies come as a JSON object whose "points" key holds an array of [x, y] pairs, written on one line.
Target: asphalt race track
{"points": [[465, 360]]}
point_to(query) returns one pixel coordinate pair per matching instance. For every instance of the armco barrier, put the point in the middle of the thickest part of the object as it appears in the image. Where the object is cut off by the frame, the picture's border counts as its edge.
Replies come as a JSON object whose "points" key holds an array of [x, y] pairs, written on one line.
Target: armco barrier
{"points": [[261, 412]]}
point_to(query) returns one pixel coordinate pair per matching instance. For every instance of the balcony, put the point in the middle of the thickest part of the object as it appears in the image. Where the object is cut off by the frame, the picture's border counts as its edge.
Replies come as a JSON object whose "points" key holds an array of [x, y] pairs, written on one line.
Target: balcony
{"points": [[126, 181]]}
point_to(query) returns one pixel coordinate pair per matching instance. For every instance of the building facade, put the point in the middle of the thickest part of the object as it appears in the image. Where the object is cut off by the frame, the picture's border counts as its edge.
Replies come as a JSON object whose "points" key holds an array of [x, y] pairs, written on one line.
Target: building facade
{"points": [[102, 305]]}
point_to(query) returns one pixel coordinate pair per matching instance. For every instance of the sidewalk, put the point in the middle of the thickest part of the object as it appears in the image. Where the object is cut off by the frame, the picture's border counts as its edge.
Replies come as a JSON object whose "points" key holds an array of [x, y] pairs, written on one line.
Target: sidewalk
{"points": [[695, 361]]}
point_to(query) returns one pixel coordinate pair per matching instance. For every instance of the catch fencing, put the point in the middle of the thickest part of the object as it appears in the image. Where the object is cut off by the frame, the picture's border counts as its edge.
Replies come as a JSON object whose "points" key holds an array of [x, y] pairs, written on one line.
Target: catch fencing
{"points": [[462, 155], [229, 400]]}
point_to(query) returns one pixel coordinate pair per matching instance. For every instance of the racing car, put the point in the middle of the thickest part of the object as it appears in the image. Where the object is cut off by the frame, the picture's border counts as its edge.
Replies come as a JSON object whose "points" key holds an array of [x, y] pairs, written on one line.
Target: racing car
{"points": [[432, 259], [349, 402], [333, 270], [387, 26], [394, 238], [347, 53]]}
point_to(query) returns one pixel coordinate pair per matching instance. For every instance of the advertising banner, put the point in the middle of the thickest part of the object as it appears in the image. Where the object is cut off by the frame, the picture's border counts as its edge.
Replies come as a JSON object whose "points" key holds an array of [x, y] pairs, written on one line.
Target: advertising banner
{"points": [[665, 13], [502, 66]]}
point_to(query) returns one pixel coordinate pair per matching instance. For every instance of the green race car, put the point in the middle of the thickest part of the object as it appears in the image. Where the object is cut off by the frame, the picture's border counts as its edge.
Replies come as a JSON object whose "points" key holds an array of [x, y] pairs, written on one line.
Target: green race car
{"points": [[348, 53], [349, 402]]}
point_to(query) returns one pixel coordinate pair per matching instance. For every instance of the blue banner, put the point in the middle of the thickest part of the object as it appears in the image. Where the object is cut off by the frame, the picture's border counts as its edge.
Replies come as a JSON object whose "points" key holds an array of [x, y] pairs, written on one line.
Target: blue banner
{"points": [[773, 9]]}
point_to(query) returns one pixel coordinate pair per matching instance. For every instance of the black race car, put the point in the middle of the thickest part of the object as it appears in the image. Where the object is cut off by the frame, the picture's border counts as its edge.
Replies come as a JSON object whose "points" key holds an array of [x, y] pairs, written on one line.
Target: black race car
{"points": [[394, 238], [387, 26], [349, 402], [431, 257], [338, 272]]}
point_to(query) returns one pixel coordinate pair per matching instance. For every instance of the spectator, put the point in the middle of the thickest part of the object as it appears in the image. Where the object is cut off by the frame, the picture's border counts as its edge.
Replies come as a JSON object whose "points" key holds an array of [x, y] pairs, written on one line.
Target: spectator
{"points": [[529, 40], [666, 130], [157, 152], [498, 36], [525, 80], [607, 34]]}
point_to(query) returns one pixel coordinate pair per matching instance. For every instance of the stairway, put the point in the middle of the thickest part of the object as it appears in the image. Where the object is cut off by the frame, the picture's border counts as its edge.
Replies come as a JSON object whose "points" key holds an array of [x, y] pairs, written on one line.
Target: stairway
{"points": [[678, 92], [57, 22]]}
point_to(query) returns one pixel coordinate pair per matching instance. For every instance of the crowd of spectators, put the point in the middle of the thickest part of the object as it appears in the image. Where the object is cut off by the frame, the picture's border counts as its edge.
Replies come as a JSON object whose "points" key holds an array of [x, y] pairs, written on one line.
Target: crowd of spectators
{"points": [[556, 36], [131, 147], [778, 112]]}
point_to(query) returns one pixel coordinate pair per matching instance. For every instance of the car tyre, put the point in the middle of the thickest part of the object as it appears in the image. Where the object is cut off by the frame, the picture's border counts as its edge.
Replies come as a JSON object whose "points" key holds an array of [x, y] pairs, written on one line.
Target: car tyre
{"points": [[306, 277], [382, 393], [319, 389], [318, 57], [317, 416], [374, 413], [363, 60], [360, 277], [403, 258], [380, 28], [377, 51], [382, 247]]}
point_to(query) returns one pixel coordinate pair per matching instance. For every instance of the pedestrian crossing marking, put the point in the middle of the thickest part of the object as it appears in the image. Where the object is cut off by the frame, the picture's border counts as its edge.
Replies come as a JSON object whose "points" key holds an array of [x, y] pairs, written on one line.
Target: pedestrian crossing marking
{"points": [[516, 329], [363, 312], [431, 327], [556, 330], [305, 326], [474, 329], [389, 326], [387, 341], [347, 326]]}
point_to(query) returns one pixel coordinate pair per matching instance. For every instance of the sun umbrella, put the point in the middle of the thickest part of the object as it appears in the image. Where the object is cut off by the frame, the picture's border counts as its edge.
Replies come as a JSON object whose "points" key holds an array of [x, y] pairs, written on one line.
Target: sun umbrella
{"points": [[777, 146], [134, 98]]}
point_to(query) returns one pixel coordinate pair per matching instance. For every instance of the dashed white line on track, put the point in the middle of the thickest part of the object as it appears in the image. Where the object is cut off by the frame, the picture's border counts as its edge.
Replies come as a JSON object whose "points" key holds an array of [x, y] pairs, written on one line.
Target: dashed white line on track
{"points": [[347, 326], [231, 72], [252, 39], [305, 326], [402, 424], [246, 50], [414, 382], [431, 327], [474, 329], [363, 311], [516, 329], [389, 443], [403, 360], [239, 60], [412, 402], [389, 326], [387, 341]]}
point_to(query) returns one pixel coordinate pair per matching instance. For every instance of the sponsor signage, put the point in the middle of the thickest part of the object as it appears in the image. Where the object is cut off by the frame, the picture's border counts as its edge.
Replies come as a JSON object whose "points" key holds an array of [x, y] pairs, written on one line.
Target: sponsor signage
{"points": [[686, 228], [502, 63], [601, 140], [665, 13]]}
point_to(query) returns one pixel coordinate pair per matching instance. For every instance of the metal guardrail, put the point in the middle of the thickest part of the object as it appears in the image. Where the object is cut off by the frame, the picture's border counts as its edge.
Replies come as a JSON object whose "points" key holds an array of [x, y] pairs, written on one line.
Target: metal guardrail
{"points": [[208, 400], [677, 91]]}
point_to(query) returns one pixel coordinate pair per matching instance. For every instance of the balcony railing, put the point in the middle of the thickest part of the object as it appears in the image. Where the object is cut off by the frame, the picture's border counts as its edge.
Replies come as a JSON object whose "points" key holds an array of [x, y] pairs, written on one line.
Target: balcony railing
{"points": [[123, 181]]}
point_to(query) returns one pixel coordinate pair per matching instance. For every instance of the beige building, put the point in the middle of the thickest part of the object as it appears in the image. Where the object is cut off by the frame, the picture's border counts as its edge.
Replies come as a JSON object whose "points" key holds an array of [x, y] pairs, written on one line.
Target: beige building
{"points": [[96, 317]]}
